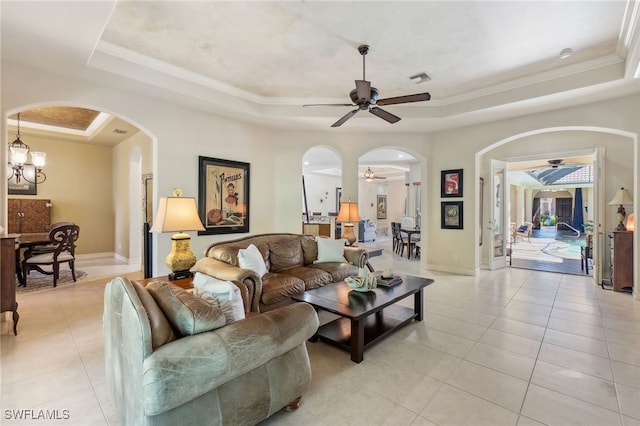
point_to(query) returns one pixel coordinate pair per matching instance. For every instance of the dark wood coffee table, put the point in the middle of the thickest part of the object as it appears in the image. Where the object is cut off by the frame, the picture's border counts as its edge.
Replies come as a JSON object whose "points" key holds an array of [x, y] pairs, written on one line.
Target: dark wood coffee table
{"points": [[365, 318]]}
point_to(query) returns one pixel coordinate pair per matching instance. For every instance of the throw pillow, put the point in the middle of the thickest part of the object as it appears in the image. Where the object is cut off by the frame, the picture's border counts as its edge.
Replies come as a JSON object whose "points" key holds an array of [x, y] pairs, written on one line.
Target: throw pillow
{"points": [[330, 250], [187, 313], [161, 331], [251, 258], [223, 294]]}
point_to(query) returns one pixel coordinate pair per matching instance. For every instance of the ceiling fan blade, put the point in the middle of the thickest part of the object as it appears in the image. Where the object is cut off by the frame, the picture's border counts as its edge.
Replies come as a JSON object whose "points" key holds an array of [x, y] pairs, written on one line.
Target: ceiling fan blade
{"points": [[418, 97], [345, 118], [331, 105], [385, 115], [363, 88]]}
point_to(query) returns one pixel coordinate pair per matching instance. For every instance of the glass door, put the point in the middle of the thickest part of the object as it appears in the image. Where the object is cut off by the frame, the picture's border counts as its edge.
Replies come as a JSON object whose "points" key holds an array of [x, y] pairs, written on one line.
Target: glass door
{"points": [[498, 226]]}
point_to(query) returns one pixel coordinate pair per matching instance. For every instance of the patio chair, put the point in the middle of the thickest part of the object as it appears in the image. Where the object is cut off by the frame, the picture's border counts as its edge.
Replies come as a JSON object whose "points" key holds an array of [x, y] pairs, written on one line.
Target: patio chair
{"points": [[524, 231]]}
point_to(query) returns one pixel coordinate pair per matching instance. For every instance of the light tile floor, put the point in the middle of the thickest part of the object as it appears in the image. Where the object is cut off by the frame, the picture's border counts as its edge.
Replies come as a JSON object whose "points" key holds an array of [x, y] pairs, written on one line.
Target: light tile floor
{"points": [[509, 347]]}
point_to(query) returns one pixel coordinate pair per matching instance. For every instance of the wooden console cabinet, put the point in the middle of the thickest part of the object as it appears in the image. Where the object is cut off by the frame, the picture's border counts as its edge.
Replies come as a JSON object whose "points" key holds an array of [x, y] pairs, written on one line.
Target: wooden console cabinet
{"points": [[621, 260], [8, 277], [27, 216]]}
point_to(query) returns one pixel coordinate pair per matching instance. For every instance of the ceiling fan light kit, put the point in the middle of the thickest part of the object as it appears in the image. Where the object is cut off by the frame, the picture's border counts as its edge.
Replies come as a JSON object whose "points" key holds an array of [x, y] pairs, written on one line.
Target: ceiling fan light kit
{"points": [[365, 97]]}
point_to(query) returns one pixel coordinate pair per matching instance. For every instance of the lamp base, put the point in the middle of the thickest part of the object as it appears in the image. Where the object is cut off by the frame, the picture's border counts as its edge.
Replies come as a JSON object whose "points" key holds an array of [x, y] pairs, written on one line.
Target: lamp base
{"points": [[348, 233], [181, 259], [178, 275]]}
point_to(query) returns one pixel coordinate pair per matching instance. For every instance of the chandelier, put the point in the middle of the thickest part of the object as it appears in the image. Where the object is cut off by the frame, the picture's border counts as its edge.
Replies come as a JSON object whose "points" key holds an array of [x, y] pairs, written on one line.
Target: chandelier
{"points": [[18, 151]]}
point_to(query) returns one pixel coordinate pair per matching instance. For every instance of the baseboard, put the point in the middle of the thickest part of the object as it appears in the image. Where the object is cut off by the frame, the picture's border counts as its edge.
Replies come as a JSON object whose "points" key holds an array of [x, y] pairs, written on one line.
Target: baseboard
{"points": [[108, 254], [452, 270]]}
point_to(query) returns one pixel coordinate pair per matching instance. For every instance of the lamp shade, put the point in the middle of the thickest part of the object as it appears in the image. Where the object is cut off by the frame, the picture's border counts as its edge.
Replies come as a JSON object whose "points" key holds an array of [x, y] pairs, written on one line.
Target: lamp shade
{"points": [[622, 197], [348, 212], [177, 214]]}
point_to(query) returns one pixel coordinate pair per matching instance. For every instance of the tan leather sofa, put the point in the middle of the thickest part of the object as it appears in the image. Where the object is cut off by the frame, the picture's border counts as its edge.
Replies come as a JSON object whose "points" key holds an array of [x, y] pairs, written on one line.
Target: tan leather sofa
{"points": [[290, 263], [237, 374]]}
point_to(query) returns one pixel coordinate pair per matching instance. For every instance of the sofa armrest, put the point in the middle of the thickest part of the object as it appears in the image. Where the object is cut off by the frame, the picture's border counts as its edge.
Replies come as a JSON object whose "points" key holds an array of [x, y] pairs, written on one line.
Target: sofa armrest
{"points": [[356, 256], [187, 368], [224, 271]]}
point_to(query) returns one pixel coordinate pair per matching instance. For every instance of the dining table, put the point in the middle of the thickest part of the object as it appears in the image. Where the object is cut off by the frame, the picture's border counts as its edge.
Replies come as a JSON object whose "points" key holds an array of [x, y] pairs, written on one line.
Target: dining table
{"points": [[25, 241], [410, 242]]}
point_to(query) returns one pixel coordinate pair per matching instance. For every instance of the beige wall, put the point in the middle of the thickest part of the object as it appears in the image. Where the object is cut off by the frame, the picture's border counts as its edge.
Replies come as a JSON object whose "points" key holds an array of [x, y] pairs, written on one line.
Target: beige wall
{"points": [[79, 187]]}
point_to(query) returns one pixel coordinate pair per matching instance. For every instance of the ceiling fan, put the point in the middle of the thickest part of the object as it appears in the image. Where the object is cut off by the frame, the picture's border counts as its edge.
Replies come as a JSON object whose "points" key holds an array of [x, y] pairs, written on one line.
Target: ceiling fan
{"points": [[365, 97], [369, 175]]}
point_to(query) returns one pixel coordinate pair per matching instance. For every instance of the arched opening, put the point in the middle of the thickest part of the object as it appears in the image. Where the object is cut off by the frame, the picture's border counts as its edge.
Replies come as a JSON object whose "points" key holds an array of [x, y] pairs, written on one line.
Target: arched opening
{"points": [[93, 175], [614, 166], [322, 191]]}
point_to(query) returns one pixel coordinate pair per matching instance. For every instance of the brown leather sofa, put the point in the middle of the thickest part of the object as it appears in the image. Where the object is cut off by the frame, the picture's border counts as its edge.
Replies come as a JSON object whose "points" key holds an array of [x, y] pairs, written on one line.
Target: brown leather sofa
{"points": [[290, 263]]}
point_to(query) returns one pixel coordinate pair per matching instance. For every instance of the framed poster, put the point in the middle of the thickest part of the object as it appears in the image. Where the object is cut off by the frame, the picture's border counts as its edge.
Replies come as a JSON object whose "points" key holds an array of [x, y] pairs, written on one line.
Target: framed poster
{"points": [[451, 183], [23, 187], [223, 196], [381, 208], [451, 215]]}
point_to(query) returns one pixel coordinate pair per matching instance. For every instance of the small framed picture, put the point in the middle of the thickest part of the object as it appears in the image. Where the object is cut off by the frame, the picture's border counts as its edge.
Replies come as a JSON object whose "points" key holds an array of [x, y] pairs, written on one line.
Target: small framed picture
{"points": [[381, 209], [451, 183], [451, 214]]}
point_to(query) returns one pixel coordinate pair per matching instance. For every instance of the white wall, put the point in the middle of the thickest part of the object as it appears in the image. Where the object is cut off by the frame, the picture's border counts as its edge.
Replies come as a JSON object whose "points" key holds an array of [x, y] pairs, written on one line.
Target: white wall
{"points": [[321, 193], [276, 155]]}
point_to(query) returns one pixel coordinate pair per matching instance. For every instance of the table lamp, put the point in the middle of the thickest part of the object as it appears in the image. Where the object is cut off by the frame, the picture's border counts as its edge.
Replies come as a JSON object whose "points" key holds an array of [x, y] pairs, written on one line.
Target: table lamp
{"points": [[622, 197], [178, 214], [348, 214]]}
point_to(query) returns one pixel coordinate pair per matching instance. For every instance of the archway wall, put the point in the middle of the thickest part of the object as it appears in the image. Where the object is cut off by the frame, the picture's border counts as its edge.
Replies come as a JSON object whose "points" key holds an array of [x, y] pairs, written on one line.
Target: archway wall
{"points": [[349, 146], [610, 123], [179, 134]]}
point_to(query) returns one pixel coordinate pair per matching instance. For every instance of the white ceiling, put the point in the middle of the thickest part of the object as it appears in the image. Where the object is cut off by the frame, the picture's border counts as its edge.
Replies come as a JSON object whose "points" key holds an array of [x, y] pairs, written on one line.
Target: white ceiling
{"points": [[260, 61]]}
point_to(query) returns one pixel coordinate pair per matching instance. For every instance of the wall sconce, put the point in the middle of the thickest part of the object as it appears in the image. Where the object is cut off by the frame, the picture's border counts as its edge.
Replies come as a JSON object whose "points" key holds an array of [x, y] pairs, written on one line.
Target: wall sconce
{"points": [[18, 151], [347, 215], [178, 214], [622, 197]]}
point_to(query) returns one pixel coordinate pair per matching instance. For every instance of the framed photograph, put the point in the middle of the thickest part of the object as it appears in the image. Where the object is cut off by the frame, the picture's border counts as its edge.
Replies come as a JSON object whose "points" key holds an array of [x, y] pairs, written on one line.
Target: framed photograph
{"points": [[451, 183], [338, 198], [223, 196], [381, 208], [451, 214], [23, 187]]}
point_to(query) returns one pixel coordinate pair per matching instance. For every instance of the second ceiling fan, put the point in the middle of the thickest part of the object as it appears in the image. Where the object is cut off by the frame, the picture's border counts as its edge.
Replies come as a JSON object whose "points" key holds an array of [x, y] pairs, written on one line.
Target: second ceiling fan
{"points": [[365, 97]]}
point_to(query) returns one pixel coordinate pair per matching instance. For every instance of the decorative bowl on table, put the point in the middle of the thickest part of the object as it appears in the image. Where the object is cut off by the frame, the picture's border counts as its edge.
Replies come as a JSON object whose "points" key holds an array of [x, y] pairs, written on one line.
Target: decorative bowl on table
{"points": [[363, 282]]}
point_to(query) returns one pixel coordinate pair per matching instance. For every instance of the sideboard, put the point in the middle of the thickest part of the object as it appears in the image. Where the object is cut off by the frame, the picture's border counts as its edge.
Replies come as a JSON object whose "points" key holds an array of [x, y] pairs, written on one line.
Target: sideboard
{"points": [[8, 277], [28, 215]]}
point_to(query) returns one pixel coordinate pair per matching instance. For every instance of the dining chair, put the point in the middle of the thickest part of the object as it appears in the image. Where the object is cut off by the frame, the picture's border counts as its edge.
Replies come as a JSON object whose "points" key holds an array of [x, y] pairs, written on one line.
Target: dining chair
{"points": [[401, 243], [51, 247], [64, 239]]}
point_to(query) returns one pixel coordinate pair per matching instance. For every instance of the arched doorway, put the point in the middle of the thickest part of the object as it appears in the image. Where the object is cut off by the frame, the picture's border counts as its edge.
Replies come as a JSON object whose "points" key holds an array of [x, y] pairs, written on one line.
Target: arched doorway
{"points": [[90, 173], [615, 162]]}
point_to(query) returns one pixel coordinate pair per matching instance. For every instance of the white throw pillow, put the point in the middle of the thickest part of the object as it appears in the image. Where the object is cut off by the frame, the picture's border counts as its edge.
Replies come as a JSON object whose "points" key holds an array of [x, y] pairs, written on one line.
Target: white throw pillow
{"points": [[223, 294], [251, 258], [330, 250]]}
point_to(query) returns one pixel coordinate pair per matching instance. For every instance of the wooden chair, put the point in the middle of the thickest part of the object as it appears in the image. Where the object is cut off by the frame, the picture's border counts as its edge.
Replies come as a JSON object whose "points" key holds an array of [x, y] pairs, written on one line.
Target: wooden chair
{"points": [[400, 241], [64, 239]]}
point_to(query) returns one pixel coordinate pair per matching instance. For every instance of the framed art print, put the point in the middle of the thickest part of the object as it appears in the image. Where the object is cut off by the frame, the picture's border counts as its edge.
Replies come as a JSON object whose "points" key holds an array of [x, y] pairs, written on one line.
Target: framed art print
{"points": [[451, 215], [451, 183], [223, 201], [381, 209], [27, 184]]}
